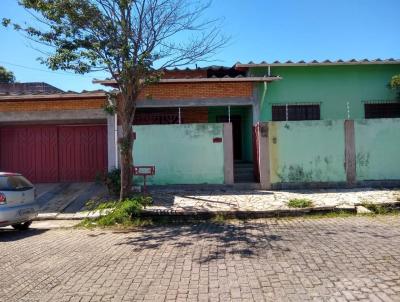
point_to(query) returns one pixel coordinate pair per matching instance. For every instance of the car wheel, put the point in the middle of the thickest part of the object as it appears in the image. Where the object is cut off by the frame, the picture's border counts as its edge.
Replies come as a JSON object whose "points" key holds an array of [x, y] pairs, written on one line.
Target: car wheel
{"points": [[22, 226]]}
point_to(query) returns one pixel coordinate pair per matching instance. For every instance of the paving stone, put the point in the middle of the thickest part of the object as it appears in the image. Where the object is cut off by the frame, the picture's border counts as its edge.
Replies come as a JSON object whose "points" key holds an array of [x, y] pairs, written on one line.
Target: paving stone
{"points": [[298, 259], [258, 200]]}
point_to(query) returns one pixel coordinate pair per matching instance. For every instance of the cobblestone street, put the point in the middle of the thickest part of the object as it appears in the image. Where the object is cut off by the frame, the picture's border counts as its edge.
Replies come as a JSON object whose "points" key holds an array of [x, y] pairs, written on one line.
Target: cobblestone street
{"points": [[302, 259]]}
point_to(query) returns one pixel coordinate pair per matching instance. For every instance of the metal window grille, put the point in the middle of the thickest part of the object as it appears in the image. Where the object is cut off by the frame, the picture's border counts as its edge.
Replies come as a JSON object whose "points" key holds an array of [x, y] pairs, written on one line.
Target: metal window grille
{"points": [[157, 117], [382, 110], [296, 112]]}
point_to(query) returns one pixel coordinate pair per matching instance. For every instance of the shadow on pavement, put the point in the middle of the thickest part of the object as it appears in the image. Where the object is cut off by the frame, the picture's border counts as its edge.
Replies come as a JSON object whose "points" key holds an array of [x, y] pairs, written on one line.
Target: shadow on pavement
{"points": [[167, 199], [247, 240], [8, 234]]}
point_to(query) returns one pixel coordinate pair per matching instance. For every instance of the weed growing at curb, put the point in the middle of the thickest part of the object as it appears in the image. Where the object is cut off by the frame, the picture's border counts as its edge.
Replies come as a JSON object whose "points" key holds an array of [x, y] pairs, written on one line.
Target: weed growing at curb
{"points": [[381, 209], [119, 213], [129, 214], [219, 219], [300, 203], [334, 214]]}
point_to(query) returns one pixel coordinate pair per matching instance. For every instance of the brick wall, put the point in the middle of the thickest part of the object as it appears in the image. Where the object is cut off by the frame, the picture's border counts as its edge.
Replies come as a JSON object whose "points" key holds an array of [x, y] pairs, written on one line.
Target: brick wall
{"points": [[197, 90], [48, 105], [170, 91], [194, 115]]}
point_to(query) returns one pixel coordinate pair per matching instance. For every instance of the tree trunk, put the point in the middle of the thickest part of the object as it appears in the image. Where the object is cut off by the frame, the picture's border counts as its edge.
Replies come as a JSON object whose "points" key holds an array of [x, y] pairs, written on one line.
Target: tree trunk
{"points": [[126, 111], [126, 147]]}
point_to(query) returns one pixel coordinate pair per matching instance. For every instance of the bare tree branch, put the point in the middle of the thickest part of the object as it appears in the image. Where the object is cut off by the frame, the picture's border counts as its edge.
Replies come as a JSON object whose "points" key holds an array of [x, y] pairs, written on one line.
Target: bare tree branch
{"points": [[129, 39]]}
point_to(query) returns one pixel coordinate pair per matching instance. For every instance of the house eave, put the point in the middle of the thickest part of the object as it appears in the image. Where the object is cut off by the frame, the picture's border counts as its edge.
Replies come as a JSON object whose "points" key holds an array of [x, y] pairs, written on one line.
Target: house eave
{"points": [[56, 96], [307, 64], [200, 80]]}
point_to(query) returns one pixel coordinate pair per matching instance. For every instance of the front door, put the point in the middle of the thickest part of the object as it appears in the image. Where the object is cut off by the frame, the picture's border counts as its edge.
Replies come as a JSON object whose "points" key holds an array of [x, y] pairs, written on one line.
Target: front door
{"points": [[236, 121]]}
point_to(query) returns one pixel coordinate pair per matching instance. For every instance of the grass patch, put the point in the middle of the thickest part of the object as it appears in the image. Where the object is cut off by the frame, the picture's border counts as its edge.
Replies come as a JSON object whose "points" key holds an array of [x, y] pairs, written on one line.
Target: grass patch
{"points": [[300, 203], [333, 214], [219, 219]]}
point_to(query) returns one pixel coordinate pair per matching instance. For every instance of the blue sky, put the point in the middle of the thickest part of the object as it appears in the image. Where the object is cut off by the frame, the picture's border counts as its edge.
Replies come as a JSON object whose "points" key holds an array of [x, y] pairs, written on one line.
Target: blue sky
{"points": [[260, 30]]}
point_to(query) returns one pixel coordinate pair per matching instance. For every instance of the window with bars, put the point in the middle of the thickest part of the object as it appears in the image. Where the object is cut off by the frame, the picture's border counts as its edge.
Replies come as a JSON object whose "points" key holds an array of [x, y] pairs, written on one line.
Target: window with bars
{"points": [[156, 116], [382, 110], [296, 112]]}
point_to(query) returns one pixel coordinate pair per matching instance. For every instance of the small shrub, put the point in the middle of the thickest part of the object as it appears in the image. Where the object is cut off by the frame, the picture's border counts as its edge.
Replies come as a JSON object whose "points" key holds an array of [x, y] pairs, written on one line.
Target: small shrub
{"points": [[377, 208], [125, 213], [113, 182], [300, 203], [219, 218]]}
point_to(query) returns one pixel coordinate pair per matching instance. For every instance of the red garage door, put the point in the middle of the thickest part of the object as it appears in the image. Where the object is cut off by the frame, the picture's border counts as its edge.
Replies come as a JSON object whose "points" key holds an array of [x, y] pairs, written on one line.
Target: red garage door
{"points": [[54, 153]]}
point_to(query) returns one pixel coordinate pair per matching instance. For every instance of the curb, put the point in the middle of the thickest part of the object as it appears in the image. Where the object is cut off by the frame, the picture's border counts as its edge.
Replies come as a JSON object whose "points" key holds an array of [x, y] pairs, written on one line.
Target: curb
{"points": [[208, 214], [74, 216], [280, 213]]}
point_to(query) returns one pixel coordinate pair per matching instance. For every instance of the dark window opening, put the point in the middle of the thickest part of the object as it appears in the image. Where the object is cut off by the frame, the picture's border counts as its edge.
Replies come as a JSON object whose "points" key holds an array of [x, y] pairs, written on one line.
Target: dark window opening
{"points": [[382, 110], [156, 116], [296, 112]]}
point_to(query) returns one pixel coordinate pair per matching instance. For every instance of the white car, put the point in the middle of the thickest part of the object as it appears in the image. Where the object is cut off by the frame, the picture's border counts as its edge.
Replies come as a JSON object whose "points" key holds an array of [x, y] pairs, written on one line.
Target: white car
{"points": [[17, 201]]}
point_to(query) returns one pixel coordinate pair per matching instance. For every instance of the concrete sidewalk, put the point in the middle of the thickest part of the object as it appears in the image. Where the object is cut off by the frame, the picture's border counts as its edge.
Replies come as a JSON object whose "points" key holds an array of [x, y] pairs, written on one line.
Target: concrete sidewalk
{"points": [[258, 200], [251, 204]]}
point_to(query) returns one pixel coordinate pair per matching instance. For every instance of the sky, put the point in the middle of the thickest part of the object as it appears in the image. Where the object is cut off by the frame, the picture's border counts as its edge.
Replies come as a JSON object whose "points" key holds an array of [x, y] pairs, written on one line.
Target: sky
{"points": [[259, 30]]}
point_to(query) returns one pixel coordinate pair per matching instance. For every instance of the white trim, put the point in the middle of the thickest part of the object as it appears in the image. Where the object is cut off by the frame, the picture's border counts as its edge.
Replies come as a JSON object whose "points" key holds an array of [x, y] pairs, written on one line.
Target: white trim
{"points": [[348, 110], [295, 103], [383, 62], [116, 140], [287, 112]]}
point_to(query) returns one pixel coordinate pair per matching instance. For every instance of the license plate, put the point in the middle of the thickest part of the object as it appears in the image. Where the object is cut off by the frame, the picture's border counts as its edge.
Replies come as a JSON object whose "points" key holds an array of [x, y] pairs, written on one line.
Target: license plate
{"points": [[26, 212]]}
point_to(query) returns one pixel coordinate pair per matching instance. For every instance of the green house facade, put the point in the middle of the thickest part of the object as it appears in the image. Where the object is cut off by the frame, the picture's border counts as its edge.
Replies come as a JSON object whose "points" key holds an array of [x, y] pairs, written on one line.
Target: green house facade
{"points": [[335, 90]]}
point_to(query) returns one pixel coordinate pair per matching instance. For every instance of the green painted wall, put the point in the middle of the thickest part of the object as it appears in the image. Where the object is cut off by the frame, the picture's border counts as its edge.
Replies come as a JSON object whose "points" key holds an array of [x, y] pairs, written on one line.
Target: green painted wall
{"points": [[247, 126], [377, 149], [182, 154], [307, 151], [331, 86]]}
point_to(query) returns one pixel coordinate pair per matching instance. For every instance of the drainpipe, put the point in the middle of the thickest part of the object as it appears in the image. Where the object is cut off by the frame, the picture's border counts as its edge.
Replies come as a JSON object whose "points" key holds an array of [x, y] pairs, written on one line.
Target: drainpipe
{"points": [[269, 70], [116, 139], [229, 114], [179, 114]]}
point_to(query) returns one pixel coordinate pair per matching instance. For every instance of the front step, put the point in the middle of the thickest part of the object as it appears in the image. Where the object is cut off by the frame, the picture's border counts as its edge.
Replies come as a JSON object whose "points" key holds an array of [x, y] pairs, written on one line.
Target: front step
{"points": [[244, 172]]}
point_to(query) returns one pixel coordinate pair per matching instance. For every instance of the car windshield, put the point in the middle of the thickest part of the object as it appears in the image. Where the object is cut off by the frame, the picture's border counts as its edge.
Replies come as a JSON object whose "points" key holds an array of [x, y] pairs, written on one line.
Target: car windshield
{"points": [[14, 183]]}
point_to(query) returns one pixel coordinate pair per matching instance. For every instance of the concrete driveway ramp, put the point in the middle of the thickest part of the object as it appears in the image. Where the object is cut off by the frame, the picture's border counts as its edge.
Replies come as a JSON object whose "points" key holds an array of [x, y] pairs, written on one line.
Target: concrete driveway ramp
{"points": [[67, 197]]}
